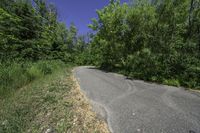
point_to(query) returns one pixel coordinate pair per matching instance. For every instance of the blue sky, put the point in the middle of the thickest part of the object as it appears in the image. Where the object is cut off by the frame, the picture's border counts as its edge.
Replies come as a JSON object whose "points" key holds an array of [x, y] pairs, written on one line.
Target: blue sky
{"points": [[79, 11]]}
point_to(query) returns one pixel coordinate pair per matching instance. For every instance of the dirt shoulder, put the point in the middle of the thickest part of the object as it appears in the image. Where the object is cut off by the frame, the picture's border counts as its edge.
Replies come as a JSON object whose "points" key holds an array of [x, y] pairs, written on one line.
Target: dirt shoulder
{"points": [[85, 120]]}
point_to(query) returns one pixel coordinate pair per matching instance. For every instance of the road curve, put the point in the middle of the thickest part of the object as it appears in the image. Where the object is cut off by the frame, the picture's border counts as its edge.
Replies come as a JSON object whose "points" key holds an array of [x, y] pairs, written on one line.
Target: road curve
{"points": [[134, 106]]}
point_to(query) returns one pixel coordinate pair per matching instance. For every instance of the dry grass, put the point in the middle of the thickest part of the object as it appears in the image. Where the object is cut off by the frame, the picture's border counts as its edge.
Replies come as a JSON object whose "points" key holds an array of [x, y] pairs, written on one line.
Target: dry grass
{"points": [[85, 120]]}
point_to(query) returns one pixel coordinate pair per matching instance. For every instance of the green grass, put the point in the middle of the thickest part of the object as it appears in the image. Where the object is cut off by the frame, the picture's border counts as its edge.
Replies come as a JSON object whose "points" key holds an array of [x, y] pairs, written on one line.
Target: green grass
{"points": [[41, 104], [14, 75]]}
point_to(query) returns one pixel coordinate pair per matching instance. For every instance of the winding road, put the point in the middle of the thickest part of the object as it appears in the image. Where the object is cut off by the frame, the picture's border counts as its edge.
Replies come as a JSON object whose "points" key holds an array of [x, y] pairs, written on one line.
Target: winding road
{"points": [[134, 106]]}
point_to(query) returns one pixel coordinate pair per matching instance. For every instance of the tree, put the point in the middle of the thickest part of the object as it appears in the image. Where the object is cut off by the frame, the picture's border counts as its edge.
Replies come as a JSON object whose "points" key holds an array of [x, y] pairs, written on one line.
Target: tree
{"points": [[157, 40], [34, 32]]}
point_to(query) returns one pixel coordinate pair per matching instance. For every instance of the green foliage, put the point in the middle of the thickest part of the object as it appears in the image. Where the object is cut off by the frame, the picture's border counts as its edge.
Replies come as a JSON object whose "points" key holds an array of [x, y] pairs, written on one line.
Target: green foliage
{"points": [[157, 41], [30, 30], [172, 82], [30, 33]]}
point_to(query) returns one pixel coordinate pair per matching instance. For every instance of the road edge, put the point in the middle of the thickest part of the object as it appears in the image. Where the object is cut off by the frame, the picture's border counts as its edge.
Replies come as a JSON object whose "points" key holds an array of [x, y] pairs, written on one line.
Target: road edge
{"points": [[84, 111]]}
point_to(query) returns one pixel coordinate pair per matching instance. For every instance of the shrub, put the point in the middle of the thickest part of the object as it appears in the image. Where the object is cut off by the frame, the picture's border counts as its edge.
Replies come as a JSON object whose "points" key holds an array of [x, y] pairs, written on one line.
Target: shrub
{"points": [[173, 82]]}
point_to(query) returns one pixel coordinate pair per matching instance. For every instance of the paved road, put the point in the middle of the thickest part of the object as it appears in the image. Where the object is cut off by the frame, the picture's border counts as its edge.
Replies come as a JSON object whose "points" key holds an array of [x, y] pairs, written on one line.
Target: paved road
{"points": [[134, 106]]}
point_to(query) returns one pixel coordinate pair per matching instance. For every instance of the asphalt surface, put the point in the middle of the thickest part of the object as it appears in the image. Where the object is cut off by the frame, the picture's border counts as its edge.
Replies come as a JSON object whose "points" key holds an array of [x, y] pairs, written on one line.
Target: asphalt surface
{"points": [[134, 106]]}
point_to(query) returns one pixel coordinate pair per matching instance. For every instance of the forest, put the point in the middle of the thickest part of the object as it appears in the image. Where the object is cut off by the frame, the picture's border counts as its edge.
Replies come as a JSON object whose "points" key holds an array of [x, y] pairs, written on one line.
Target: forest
{"points": [[155, 41]]}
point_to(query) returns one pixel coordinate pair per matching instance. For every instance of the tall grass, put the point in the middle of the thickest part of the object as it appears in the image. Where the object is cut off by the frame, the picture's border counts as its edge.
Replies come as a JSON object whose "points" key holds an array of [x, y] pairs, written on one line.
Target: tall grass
{"points": [[41, 104], [14, 75]]}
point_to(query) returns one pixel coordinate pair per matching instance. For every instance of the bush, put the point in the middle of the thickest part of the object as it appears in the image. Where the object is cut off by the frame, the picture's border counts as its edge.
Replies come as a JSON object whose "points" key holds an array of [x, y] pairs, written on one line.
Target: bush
{"points": [[172, 82]]}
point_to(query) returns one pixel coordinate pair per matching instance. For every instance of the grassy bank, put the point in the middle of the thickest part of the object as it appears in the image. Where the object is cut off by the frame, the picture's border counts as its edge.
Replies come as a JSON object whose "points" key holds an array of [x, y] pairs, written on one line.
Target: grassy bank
{"points": [[50, 103], [14, 75]]}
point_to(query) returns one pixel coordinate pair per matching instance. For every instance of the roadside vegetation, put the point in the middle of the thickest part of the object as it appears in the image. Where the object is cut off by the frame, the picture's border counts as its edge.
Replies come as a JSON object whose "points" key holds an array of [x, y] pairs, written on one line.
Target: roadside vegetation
{"points": [[155, 41], [52, 104]]}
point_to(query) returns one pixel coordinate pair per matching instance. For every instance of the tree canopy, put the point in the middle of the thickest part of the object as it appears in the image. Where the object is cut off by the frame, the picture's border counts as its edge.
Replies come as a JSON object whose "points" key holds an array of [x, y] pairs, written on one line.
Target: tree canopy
{"points": [[30, 30], [156, 41]]}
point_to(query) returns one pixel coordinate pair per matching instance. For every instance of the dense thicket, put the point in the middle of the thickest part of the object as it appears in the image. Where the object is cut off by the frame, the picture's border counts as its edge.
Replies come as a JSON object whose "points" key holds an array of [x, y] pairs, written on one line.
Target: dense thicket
{"points": [[29, 29], [156, 41]]}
